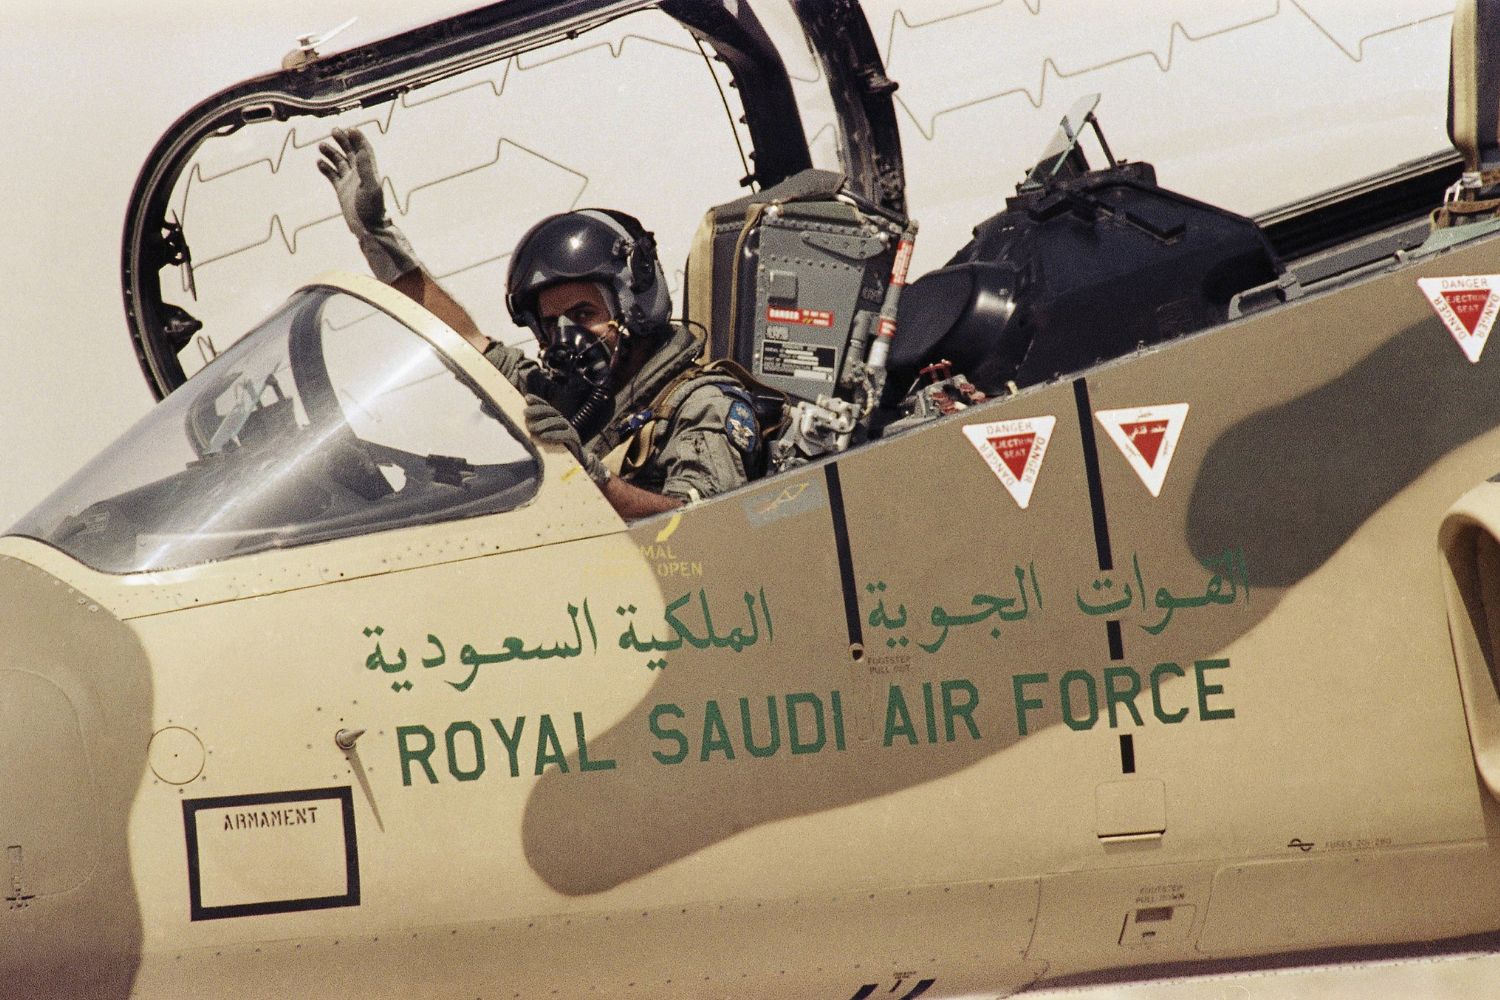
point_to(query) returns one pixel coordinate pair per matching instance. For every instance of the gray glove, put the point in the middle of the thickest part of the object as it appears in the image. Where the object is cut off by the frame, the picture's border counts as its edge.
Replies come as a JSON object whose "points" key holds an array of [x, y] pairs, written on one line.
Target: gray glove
{"points": [[349, 164], [546, 424]]}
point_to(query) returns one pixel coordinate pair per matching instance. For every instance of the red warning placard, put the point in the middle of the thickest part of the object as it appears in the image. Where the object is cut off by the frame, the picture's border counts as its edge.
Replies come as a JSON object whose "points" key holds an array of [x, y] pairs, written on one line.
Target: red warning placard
{"points": [[1147, 436], [1014, 449], [802, 317], [1467, 305]]}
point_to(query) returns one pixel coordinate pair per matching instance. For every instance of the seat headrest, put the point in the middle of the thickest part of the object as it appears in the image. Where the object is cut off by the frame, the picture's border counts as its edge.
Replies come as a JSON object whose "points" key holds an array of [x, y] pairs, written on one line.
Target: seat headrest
{"points": [[1474, 84]]}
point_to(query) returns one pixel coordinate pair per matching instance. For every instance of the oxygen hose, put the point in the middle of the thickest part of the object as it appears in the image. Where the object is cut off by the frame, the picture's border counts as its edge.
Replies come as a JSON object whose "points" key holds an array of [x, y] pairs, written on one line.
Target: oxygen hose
{"points": [[880, 347], [591, 413]]}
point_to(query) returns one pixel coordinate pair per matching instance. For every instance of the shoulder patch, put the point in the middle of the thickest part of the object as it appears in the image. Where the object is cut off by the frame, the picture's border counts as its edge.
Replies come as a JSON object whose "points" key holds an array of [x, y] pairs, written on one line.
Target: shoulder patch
{"points": [[740, 426]]}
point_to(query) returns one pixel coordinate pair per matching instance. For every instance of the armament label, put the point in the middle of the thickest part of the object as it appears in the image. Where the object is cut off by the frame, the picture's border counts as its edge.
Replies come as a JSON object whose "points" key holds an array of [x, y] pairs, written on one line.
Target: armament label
{"points": [[1147, 437], [1467, 306], [1013, 449], [271, 852]]}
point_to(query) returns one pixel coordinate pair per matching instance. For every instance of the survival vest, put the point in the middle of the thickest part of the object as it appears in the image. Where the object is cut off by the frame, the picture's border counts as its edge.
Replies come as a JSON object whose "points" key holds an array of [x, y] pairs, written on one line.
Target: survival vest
{"points": [[643, 427]]}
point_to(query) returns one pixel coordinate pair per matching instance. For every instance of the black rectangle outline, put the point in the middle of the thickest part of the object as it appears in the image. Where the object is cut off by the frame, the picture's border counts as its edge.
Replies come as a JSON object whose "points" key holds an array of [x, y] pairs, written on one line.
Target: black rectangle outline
{"points": [[190, 809]]}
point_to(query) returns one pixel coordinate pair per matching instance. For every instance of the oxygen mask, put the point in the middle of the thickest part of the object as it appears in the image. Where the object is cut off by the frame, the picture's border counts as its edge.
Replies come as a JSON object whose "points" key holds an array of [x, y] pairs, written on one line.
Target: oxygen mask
{"points": [[582, 366]]}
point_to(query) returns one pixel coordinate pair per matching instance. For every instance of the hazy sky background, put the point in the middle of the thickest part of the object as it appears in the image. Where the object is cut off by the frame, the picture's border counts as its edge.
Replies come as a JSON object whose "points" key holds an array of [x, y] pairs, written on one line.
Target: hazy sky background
{"points": [[89, 88], [1248, 103]]}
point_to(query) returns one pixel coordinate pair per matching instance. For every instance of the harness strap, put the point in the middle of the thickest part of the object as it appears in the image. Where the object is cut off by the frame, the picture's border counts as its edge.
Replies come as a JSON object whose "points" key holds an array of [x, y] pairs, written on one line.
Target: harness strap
{"points": [[1458, 213], [638, 446]]}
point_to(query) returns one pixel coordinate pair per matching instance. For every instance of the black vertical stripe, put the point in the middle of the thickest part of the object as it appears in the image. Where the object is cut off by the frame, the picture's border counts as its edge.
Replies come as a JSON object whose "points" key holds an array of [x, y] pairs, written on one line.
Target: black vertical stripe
{"points": [[1116, 640], [1091, 468], [1101, 538], [846, 558]]}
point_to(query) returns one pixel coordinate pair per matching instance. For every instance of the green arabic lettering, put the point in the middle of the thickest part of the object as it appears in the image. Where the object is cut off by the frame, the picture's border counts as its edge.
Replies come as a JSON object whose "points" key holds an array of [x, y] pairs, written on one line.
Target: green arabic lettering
{"points": [[593, 636], [1231, 569], [684, 633], [1100, 585], [376, 660], [470, 657]]}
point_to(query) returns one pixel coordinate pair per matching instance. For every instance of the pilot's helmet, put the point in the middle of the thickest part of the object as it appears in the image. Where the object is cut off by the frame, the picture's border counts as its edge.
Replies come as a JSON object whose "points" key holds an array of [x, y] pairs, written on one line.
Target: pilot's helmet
{"points": [[591, 244]]}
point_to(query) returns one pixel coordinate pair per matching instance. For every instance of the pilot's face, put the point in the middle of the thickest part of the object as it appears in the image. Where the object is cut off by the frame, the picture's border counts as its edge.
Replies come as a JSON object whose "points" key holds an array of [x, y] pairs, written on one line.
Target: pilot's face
{"points": [[584, 303]]}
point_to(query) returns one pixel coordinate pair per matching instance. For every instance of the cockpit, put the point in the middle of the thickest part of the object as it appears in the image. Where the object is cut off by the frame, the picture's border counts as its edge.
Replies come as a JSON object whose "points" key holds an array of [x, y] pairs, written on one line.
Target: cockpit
{"points": [[331, 418]]}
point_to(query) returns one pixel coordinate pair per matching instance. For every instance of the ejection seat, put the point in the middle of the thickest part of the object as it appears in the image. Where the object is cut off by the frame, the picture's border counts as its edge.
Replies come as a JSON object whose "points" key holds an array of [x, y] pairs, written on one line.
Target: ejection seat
{"points": [[788, 283], [1473, 126], [785, 279], [1083, 265]]}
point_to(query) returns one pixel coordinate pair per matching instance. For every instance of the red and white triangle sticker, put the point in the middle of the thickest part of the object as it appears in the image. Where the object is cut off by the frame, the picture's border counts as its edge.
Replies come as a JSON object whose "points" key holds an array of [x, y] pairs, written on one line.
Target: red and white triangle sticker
{"points": [[1147, 437], [1013, 449], [1467, 305]]}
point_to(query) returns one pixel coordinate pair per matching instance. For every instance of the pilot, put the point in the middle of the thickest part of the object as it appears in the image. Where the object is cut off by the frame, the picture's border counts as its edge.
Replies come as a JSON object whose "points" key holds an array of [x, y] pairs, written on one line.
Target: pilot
{"points": [[619, 384]]}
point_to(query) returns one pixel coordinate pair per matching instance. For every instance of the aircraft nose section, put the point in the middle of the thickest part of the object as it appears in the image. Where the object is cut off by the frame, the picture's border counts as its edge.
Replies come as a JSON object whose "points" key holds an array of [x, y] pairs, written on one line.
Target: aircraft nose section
{"points": [[75, 700]]}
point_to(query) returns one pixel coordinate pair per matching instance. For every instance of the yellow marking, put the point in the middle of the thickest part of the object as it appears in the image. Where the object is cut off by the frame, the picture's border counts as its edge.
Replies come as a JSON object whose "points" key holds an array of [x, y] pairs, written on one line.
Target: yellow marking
{"points": [[665, 533], [785, 496], [575, 470]]}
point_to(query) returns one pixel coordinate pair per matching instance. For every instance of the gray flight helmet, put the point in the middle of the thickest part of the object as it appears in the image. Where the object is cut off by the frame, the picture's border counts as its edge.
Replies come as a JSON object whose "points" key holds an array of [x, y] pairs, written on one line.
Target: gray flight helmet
{"points": [[590, 244]]}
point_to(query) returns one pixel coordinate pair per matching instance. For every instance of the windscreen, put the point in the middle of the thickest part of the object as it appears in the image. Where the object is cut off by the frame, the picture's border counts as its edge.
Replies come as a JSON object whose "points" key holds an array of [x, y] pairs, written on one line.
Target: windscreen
{"points": [[329, 419]]}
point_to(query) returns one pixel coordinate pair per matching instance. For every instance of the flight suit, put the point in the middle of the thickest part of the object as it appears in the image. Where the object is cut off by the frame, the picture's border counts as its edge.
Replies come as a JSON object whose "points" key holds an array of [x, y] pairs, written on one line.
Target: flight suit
{"points": [[700, 440]]}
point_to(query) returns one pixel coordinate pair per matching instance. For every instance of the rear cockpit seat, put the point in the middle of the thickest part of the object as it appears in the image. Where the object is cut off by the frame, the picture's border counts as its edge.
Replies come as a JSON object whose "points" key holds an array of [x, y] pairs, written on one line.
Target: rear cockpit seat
{"points": [[1474, 115], [786, 280], [788, 283]]}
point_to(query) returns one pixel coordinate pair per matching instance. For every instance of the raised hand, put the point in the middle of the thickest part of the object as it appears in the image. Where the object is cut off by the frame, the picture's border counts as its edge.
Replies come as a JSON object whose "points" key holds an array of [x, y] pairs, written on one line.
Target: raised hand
{"points": [[348, 161]]}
